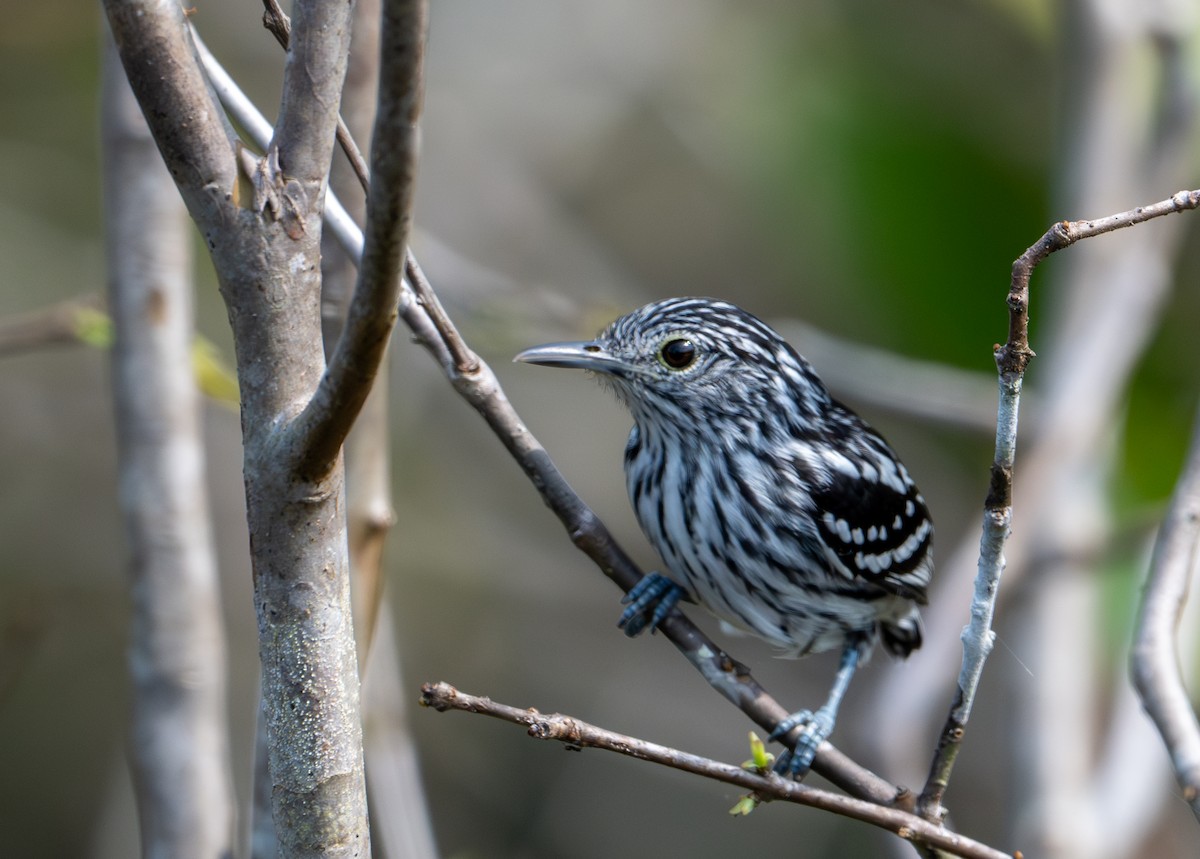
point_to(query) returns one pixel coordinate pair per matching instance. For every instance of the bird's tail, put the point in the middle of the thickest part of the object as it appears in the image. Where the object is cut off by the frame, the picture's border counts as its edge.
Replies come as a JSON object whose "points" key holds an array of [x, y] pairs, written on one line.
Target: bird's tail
{"points": [[901, 637]]}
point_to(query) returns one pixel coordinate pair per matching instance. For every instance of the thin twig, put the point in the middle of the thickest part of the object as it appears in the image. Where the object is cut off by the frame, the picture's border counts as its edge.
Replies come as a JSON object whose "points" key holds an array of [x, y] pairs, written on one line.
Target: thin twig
{"points": [[1011, 360], [465, 361], [65, 323], [1154, 662], [764, 786]]}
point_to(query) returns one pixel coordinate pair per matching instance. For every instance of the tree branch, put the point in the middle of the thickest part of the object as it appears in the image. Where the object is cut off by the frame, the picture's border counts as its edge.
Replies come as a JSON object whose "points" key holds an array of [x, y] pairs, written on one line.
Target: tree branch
{"points": [[1011, 360], [322, 427], [178, 746], [267, 257], [196, 142], [312, 90], [577, 734], [280, 26], [65, 323], [1154, 662]]}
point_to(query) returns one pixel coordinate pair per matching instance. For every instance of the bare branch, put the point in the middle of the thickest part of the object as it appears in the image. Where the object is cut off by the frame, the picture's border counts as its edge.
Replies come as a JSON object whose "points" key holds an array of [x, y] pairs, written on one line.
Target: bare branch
{"points": [[280, 25], [267, 257], [1011, 360], [578, 734], [1014, 356], [65, 323], [323, 426], [312, 90], [193, 137], [178, 748], [1154, 662]]}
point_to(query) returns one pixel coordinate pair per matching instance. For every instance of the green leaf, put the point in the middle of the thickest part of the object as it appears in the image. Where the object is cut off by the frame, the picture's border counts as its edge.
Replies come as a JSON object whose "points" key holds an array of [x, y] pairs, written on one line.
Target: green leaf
{"points": [[93, 327], [744, 806], [760, 759], [214, 377]]}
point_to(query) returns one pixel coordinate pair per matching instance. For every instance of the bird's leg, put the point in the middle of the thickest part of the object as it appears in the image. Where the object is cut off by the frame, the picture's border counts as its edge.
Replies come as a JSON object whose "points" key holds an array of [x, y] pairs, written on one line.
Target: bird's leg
{"points": [[819, 725], [648, 603]]}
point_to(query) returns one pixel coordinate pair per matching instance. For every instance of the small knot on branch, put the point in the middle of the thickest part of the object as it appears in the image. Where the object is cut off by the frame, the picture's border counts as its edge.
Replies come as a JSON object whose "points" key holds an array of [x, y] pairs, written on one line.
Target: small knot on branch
{"points": [[439, 696], [557, 727], [1183, 200], [999, 488]]}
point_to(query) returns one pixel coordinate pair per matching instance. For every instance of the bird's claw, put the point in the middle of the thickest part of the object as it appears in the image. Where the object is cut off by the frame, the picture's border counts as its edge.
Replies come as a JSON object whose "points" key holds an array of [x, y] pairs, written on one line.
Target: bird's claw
{"points": [[648, 603], [815, 729]]}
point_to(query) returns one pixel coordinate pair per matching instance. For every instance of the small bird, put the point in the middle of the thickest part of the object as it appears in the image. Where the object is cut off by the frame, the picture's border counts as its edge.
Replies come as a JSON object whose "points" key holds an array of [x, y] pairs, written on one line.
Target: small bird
{"points": [[771, 504]]}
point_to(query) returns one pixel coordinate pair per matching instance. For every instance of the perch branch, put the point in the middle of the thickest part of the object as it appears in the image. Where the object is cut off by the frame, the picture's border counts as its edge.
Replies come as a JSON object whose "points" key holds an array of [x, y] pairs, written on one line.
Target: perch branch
{"points": [[1011, 360], [764, 786]]}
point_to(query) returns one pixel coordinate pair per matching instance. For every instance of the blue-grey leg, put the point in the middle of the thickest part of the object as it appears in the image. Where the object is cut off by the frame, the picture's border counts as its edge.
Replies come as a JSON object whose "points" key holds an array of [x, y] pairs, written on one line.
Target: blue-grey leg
{"points": [[648, 603], [819, 725]]}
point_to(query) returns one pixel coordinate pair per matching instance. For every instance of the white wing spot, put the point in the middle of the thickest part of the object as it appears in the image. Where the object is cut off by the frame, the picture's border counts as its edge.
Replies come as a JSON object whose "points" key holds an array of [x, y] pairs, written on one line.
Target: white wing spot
{"points": [[839, 526], [914, 541]]}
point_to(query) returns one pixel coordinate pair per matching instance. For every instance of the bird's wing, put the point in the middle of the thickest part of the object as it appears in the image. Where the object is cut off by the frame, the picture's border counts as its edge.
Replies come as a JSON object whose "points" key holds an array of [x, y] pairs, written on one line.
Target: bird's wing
{"points": [[875, 525]]}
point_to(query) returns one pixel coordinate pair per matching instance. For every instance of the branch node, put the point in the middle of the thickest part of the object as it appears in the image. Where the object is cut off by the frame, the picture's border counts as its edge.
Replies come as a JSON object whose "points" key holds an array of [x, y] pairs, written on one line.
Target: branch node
{"points": [[438, 696]]}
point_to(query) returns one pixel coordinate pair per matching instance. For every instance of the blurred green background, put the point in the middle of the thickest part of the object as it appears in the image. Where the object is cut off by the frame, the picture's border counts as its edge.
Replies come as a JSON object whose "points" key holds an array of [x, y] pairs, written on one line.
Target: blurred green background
{"points": [[871, 168]]}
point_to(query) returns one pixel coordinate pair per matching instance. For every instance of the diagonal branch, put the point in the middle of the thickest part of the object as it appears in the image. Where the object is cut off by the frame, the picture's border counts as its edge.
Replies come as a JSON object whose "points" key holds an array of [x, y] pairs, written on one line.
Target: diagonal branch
{"points": [[322, 427], [1154, 662], [765, 786], [1011, 359]]}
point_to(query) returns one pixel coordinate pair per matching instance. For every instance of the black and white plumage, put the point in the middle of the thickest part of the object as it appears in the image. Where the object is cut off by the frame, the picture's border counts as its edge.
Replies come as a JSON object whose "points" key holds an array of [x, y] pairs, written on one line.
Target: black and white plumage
{"points": [[771, 504]]}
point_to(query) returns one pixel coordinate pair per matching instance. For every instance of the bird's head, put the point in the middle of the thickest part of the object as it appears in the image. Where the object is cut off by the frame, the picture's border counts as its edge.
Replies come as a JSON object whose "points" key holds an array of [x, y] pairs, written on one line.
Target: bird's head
{"points": [[694, 357]]}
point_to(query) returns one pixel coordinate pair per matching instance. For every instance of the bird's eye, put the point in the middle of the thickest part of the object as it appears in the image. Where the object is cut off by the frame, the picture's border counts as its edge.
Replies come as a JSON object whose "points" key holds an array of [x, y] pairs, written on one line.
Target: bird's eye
{"points": [[677, 353]]}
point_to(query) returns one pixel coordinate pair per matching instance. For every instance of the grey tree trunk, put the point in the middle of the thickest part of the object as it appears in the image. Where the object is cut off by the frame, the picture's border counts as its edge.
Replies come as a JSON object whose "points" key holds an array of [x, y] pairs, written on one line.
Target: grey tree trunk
{"points": [[261, 220], [178, 746]]}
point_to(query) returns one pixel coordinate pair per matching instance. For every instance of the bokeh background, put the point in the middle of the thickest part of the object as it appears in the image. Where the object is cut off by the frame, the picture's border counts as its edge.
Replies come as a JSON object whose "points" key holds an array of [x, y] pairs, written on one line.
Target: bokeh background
{"points": [[868, 168]]}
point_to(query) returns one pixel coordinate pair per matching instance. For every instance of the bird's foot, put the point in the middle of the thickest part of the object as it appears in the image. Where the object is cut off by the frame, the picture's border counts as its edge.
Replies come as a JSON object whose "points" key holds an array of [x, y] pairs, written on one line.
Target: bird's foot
{"points": [[648, 604], [815, 729]]}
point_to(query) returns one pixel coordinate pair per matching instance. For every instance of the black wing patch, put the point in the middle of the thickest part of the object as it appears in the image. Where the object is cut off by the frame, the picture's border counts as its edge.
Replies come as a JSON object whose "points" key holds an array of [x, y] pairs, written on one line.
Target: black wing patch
{"points": [[878, 530]]}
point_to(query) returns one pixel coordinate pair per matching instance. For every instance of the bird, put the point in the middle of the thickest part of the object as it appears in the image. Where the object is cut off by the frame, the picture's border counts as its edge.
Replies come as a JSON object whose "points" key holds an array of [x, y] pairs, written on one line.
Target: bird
{"points": [[771, 504]]}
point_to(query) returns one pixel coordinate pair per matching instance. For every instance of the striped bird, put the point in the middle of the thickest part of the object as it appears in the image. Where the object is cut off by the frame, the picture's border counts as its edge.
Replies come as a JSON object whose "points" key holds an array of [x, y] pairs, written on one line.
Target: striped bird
{"points": [[771, 504]]}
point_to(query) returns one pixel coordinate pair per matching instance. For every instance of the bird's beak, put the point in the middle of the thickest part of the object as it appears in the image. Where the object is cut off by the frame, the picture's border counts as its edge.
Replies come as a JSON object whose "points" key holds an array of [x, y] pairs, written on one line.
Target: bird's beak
{"points": [[584, 355]]}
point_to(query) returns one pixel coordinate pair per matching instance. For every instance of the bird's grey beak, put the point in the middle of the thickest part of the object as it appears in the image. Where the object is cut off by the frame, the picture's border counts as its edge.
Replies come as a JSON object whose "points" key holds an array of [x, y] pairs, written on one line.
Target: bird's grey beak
{"points": [[585, 355]]}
